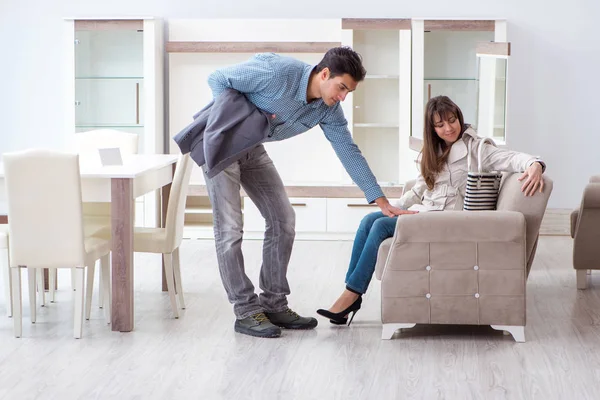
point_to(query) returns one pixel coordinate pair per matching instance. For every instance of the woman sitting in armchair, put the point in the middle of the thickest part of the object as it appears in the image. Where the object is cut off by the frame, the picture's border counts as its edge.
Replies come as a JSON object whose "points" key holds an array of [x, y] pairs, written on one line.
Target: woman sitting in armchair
{"points": [[440, 186]]}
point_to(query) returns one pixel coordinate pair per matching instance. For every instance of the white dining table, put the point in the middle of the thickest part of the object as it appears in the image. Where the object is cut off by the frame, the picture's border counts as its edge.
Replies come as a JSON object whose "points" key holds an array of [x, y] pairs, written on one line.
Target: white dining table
{"points": [[120, 185]]}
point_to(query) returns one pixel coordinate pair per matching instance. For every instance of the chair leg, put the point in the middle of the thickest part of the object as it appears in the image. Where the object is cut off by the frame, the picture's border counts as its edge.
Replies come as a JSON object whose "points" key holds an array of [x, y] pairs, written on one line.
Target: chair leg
{"points": [[16, 301], [78, 306], [105, 274], [518, 332], [177, 272], [91, 271], [100, 287], [41, 284], [581, 279], [7, 285], [52, 278], [31, 277], [388, 330], [170, 284]]}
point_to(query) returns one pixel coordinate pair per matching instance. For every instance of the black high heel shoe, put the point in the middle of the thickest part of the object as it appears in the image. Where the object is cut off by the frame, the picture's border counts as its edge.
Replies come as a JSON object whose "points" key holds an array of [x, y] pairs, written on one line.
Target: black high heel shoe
{"points": [[340, 318]]}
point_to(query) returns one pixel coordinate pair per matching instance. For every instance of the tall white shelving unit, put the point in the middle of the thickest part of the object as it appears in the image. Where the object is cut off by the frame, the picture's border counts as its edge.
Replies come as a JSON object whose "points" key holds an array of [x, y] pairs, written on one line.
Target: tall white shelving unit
{"points": [[379, 111]]}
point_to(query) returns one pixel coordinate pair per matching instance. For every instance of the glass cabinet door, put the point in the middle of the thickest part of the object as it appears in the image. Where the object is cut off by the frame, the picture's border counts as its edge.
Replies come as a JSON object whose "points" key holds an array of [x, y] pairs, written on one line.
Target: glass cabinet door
{"points": [[109, 81], [444, 62], [492, 71]]}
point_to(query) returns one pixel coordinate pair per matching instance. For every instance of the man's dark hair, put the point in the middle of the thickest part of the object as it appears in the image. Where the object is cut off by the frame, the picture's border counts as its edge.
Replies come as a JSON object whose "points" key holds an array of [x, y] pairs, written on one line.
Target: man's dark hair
{"points": [[343, 60]]}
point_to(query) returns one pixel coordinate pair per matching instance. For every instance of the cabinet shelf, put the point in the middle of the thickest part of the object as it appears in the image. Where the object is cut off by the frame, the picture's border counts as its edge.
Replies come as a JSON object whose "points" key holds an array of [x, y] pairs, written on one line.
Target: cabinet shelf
{"points": [[110, 78], [108, 126], [375, 125], [382, 77], [450, 79]]}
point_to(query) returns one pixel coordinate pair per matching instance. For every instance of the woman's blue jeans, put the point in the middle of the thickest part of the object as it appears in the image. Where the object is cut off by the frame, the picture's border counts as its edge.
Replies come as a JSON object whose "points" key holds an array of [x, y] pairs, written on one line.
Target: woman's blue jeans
{"points": [[373, 230]]}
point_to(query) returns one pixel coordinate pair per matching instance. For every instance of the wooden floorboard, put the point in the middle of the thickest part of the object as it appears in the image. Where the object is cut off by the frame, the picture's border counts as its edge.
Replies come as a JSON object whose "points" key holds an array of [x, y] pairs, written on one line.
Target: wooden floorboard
{"points": [[200, 356]]}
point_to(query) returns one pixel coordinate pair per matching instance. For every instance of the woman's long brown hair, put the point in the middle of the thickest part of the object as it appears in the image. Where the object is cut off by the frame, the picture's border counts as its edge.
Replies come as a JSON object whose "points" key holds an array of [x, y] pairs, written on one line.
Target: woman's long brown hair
{"points": [[431, 162]]}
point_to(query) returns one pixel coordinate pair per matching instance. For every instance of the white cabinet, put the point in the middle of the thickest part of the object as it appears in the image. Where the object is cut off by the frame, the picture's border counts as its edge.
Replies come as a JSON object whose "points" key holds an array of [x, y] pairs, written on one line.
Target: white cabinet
{"points": [[338, 216], [115, 70], [344, 215], [311, 215]]}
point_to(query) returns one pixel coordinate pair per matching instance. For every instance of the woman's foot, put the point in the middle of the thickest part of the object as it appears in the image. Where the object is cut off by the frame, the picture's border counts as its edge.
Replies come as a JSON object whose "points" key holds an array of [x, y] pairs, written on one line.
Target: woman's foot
{"points": [[348, 303], [344, 301]]}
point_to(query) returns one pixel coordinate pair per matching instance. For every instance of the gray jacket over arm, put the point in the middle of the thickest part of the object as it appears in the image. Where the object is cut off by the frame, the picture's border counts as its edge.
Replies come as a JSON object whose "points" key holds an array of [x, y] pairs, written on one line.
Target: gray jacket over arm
{"points": [[224, 131]]}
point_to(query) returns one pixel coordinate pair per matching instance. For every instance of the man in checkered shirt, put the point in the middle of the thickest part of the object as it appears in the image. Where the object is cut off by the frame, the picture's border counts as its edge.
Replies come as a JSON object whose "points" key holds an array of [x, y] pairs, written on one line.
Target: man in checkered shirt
{"points": [[299, 96]]}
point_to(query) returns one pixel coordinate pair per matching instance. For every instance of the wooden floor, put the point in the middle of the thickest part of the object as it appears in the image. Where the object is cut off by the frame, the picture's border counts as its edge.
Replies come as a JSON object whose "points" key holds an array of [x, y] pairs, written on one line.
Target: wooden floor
{"points": [[200, 357]]}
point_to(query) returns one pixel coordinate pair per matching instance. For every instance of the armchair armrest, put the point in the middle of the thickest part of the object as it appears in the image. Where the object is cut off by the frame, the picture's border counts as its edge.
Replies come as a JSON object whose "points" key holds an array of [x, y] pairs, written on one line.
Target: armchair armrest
{"points": [[440, 237], [586, 233], [589, 201], [591, 196]]}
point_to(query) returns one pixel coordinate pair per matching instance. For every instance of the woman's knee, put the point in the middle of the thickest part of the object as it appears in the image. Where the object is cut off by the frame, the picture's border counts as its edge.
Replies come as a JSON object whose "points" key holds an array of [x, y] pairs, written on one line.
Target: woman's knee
{"points": [[384, 227], [368, 220]]}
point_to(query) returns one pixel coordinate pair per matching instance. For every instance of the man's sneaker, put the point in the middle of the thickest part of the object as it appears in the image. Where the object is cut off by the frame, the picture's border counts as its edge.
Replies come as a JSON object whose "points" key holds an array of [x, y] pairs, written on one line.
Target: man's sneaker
{"points": [[290, 320], [257, 325]]}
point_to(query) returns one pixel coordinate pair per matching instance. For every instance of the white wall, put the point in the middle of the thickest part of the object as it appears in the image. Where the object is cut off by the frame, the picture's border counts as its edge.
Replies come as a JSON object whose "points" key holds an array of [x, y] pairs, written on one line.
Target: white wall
{"points": [[552, 95]]}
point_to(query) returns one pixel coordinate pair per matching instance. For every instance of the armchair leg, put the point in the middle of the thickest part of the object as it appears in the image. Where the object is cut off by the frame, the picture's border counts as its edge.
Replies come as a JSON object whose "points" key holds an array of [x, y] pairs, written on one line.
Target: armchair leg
{"points": [[388, 330], [581, 279], [518, 332]]}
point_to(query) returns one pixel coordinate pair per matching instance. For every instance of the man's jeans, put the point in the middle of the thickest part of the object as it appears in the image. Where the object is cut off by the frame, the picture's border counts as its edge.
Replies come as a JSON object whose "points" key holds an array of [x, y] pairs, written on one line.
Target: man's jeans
{"points": [[373, 230], [256, 173]]}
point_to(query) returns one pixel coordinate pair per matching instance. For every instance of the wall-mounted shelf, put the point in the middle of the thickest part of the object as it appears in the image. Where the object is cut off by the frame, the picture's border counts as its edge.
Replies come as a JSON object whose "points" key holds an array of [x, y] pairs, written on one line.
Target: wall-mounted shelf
{"points": [[250, 47], [375, 23], [459, 25]]}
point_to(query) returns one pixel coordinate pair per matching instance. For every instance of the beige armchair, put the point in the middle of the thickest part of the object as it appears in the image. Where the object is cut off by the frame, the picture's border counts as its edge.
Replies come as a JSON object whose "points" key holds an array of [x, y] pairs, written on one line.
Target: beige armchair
{"points": [[585, 230], [462, 267]]}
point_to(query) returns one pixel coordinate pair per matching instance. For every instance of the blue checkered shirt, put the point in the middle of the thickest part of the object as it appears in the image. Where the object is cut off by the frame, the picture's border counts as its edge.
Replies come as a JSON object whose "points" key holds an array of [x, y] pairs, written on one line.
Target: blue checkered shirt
{"points": [[277, 85]]}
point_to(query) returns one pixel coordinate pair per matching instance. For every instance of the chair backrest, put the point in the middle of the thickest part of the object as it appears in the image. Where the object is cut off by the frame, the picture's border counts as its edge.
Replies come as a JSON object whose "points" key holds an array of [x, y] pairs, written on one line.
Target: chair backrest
{"points": [[586, 250], [176, 208], [532, 207], [87, 143], [44, 207]]}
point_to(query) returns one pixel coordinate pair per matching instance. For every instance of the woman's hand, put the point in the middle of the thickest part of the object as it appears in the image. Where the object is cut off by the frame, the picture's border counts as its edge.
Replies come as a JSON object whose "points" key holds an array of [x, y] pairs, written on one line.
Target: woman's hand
{"points": [[534, 179]]}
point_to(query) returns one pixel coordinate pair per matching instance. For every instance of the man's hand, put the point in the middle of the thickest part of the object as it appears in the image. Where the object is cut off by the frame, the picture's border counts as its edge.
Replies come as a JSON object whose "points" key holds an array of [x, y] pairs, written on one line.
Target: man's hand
{"points": [[390, 210], [534, 179]]}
